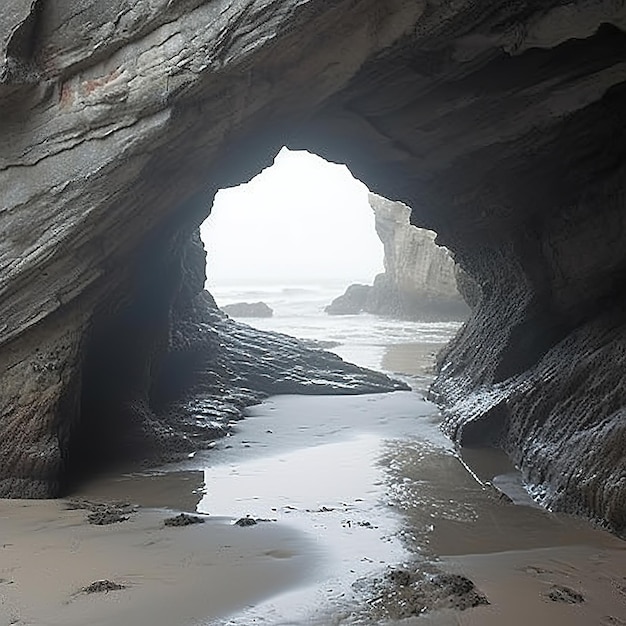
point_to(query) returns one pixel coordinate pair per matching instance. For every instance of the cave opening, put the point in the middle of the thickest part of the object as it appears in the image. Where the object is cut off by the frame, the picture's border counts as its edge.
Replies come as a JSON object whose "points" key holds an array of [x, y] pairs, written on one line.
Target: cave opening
{"points": [[302, 224], [306, 249]]}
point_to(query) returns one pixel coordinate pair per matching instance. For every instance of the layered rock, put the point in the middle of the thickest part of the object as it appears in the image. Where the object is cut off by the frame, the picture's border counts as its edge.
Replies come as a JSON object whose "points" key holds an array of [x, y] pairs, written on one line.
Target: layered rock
{"points": [[501, 123], [420, 278]]}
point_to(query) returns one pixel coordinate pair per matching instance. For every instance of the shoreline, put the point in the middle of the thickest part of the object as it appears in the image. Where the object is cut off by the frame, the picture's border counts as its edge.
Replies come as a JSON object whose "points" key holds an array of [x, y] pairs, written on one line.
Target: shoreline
{"points": [[448, 520]]}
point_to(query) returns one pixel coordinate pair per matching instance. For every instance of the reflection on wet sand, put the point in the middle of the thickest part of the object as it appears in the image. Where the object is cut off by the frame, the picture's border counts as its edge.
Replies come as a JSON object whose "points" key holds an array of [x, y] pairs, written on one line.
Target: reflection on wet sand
{"points": [[180, 490], [413, 360]]}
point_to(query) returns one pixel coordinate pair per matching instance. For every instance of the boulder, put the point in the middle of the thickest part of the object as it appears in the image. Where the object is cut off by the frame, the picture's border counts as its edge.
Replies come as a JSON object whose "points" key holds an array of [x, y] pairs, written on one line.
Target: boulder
{"points": [[248, 309], [352, 302]]}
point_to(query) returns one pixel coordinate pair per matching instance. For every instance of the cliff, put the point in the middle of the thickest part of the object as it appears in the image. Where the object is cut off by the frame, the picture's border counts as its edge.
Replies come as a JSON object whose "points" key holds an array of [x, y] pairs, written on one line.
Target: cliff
{"points": [[501, 123], [420, 279]]}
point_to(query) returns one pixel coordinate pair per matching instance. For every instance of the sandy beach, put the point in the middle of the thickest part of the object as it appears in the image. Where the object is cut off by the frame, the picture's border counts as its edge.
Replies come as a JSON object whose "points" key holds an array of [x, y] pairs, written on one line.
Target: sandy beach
{"points": [[352, 488], [170, 575]]}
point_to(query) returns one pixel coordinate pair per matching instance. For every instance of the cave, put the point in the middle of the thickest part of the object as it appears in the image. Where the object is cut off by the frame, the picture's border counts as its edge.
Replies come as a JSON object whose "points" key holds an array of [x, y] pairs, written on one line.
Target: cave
{"points": [[500, 123]]}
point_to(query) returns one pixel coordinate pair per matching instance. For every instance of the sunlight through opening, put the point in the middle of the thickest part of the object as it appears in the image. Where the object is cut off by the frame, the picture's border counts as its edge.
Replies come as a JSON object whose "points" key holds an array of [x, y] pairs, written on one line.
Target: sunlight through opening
{"points": [[301, 222]]}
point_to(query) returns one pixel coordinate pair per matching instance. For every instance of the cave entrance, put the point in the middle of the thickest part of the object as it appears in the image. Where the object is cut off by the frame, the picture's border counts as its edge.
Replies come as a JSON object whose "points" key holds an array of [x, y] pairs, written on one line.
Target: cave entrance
{"points": [[293, 238], [284, 246]]}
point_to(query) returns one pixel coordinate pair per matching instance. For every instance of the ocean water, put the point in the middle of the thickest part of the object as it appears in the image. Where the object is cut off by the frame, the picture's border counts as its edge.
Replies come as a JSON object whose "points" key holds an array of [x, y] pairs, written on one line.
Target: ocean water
{"points": [[364, 339]]}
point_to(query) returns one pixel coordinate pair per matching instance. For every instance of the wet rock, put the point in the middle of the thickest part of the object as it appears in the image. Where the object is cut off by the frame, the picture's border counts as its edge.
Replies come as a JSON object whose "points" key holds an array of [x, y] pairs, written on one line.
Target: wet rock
{"points": [[246, 521], [352, 302], [250, 521], [248, 309], [454, 591], [565, 595], [183, 519]]}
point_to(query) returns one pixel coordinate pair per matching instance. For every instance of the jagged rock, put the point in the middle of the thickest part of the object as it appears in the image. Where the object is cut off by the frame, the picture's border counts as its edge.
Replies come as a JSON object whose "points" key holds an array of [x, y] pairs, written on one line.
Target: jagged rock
{"points": [[248, 309], [500, 123], [419, 281], [420, 278]]}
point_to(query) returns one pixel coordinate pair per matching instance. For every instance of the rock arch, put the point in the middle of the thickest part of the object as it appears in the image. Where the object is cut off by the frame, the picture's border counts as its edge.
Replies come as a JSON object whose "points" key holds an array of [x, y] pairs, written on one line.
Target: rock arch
{"points": [[501, 124]]}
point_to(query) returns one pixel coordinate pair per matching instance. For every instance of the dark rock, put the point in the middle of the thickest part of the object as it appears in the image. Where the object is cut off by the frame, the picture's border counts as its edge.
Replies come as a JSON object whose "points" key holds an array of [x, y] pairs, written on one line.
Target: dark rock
{"points": [[406, 592], [103, 586], [246, 521], [352, 302], [251, 521], [467, 286], [248, 309], [104, 513], [183, 519], [565, 595]]}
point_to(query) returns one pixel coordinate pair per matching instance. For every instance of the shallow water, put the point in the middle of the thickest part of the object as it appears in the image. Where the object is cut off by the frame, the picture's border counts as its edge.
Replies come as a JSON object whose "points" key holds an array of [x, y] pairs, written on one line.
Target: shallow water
{"points": [[369, 482]]}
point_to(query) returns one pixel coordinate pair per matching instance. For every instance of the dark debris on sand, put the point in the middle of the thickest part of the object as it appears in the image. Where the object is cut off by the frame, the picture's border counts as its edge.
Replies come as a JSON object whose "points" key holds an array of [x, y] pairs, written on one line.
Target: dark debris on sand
{"points": [[103, 513], [102, 586], [183, 519], [405, 592], [250, 521], [565, 595]]}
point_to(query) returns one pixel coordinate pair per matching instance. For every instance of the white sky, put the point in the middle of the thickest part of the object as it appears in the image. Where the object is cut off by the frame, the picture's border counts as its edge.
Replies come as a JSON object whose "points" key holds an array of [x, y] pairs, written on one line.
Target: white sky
{"points": [[301, 220]]}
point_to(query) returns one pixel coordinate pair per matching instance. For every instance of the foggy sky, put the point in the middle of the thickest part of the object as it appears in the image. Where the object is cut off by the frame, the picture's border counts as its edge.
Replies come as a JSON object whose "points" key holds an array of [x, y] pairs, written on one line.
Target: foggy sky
{"points": [[301, 220]]}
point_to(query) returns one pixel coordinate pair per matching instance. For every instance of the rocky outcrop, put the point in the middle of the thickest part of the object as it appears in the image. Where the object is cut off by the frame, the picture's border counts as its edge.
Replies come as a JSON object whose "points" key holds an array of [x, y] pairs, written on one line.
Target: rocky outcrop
{"points": [[352, 302], [500, 123], [248, 309], [203, 375], [420, 279]]}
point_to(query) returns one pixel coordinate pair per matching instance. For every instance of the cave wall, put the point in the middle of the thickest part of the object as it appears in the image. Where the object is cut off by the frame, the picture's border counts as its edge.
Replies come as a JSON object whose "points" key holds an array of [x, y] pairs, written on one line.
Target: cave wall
{"points": [[501, 123]]}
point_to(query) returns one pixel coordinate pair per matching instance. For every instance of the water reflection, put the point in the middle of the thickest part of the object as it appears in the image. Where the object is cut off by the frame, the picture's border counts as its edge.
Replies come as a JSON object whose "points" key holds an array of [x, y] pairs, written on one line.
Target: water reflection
{"points": [[358, 484], [333, 492]]}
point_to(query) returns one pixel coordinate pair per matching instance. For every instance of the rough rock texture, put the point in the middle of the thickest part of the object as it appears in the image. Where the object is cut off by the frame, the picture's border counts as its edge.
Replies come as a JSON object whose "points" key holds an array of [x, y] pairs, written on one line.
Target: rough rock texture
{"points": [[501, 122], [205, 374], [248, 309], [419, 282]]}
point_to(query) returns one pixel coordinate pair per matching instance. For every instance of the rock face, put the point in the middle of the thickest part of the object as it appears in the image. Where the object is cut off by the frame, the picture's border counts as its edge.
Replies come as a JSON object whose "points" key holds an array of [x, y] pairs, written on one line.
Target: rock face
{"points": [[248, 309], [501, 122], [208, 370], [420, 280]]}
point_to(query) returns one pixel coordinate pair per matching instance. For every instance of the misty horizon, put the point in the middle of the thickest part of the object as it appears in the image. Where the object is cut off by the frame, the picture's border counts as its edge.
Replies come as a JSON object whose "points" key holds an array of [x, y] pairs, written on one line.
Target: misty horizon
{"points": [[301, 221]]}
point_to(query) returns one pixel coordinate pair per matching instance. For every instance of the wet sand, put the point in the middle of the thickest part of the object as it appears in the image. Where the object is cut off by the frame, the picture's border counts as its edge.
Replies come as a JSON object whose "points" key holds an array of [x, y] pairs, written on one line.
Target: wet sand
{"points": [[172, 576], [354, 487]]}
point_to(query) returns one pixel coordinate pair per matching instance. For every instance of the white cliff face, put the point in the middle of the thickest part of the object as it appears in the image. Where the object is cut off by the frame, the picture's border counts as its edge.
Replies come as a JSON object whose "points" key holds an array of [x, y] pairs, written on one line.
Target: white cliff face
{"points": [[414, 264], [419, 281]]}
